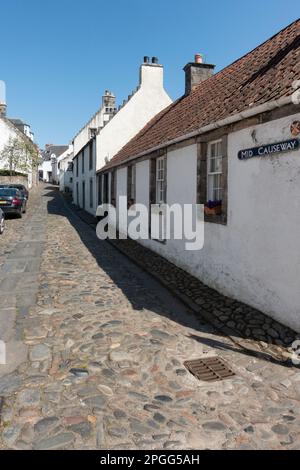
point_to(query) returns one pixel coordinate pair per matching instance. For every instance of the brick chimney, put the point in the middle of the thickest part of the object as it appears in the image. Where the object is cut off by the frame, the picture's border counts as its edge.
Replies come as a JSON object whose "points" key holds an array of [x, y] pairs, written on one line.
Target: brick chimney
{"points": [[196, 72]]}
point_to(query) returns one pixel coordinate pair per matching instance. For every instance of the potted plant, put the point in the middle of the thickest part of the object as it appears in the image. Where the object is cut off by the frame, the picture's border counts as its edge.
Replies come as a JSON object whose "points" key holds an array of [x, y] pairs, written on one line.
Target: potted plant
{"points": [[213, 208]]}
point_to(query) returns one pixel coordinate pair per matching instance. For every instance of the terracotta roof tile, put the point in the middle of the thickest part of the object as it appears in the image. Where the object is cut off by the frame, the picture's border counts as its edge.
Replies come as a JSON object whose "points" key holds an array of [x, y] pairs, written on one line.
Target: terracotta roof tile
{"points": [[262, 75]]}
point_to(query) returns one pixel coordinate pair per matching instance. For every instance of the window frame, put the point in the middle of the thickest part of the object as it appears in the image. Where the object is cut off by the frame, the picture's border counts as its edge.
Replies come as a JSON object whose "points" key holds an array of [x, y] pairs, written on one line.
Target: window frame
{"points": [[91, 189], [211, 174], [133, 182], [160, 180], [202, 153], [82, 162], [91, 154]]}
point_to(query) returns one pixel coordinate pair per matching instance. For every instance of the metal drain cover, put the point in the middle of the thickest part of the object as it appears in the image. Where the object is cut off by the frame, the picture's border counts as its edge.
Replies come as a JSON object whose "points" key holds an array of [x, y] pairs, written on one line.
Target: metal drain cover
{"points": [[210, 369]]}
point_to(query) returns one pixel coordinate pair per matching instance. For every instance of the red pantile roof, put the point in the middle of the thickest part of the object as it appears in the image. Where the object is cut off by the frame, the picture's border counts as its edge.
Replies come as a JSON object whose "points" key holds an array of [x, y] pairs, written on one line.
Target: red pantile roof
{"points": [[262, 75]]}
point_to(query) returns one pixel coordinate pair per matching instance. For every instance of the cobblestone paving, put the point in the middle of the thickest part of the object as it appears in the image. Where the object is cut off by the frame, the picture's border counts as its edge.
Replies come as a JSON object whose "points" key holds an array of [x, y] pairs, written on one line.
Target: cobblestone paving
{"points": [[15, 227], [106, 346], [21, 246], [248, 327], [245, 325]]}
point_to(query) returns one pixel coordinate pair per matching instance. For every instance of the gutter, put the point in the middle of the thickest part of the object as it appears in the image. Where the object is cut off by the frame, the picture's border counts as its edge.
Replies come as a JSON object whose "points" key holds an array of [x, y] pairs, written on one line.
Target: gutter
{"points": [[268, 106]]}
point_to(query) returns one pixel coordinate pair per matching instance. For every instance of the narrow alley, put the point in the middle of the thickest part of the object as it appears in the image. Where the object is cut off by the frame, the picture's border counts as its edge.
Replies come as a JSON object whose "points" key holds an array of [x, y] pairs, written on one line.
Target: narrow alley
{"points": [[96, 350]]}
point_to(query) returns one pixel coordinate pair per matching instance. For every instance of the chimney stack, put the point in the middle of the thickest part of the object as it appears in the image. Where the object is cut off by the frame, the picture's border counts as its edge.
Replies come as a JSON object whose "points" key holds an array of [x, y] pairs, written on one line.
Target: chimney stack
{"points": [[2, 109], [151, 73], [196, 72], [109, 100]]}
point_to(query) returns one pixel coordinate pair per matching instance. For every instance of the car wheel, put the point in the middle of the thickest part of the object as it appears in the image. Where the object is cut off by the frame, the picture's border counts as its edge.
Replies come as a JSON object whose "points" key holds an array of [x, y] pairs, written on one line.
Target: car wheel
{"points": [[2, 225]]}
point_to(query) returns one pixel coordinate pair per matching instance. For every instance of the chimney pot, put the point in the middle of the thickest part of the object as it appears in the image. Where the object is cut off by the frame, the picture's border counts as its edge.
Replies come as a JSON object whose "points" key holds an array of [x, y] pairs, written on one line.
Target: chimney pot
{"points": [[198, 59], [154, 60], [197, 72], [146, 59]]}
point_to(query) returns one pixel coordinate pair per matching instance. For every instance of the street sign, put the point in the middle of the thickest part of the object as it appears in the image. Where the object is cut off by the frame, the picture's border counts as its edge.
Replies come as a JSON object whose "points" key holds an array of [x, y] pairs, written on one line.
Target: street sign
{"points": [[270, 149]]}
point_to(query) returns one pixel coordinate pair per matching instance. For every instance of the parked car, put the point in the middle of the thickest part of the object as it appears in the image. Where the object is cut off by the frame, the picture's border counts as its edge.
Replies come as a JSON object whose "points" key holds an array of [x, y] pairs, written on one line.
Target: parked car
{"points": [[12, 201], [24, 198], [2, 221], [20, 187]]}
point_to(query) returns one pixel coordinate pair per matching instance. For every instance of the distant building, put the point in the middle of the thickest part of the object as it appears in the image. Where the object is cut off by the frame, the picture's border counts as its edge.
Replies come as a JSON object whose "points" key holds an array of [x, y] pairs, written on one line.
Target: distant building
{"points": [[65, 170], [48, 170], [14, 129], [110, 129], [25, 128]]}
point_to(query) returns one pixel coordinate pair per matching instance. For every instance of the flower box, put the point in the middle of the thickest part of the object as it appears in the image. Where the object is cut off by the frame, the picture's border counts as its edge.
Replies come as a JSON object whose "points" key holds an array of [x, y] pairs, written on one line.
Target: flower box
{"points": [[213, 208]]}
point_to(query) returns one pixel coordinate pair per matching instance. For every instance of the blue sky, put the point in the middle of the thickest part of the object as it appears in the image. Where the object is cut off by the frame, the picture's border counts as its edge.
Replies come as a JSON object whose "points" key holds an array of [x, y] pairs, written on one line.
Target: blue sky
{"points": [[58, 56]]}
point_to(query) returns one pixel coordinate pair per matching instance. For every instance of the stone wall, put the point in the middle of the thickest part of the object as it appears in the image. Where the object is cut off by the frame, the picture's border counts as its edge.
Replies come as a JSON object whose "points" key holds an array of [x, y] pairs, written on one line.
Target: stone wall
{"points": [[14, 179]]}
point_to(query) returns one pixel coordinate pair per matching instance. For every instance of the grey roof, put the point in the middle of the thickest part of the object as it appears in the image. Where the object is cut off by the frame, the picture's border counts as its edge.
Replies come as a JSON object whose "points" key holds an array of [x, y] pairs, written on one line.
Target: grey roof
{"points": [[18, 122], [56, 149]]}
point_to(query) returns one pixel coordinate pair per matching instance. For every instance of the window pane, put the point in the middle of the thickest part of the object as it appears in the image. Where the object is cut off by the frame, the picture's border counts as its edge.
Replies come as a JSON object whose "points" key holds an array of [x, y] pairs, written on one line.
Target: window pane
{"points": [[215, 165], [214, 187]]}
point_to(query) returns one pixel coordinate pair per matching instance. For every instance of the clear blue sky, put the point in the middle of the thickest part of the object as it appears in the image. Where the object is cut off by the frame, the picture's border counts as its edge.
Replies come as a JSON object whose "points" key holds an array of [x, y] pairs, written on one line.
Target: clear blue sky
{"points": [[58, 56]]}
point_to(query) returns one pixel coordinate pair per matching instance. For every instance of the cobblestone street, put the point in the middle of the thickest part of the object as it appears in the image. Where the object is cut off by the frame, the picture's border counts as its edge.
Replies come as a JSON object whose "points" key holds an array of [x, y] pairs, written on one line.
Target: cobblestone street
{"points": [[96, 348]]}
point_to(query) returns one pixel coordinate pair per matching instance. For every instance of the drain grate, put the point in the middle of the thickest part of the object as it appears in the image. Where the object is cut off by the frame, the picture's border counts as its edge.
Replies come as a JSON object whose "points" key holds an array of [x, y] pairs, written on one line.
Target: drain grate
{"points": [[210, 369]]}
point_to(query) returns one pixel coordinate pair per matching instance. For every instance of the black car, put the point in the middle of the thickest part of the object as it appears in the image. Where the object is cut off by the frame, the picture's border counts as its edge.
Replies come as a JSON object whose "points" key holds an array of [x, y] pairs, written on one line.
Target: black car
{"points": [[12, 201], [2, 221]]}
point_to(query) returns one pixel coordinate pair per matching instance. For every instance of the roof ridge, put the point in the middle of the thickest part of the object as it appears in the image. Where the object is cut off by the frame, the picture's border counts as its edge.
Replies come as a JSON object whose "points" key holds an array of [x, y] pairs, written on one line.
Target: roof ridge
{"points": [[263, 74], [259, 46], [248, 53]]}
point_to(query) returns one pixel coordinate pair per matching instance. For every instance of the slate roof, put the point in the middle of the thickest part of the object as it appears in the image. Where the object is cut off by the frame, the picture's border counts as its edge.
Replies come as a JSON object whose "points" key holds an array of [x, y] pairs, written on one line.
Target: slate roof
{"points": [[56, 149], [262, 75]]}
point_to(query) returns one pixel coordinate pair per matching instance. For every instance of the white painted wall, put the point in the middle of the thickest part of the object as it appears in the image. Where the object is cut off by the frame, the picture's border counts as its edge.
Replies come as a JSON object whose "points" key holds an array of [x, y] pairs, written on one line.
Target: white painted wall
{"points": [[65, 176], [149, 100], [6, 131], [255, 258], [46, 168], [83, 136], [86, 176]]}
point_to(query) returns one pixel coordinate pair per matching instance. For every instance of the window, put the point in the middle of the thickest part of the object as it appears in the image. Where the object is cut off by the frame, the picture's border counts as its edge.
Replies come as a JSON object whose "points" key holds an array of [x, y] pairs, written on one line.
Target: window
{"points": [[76, 166], [91, 155], [77, 192], [83, 194], [99, 189], [113, 188], [105, 188], [82, 161], [161, 180], [133, 182], [91, 193], [214, 171]]}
